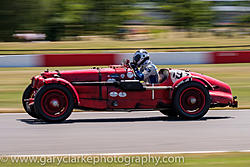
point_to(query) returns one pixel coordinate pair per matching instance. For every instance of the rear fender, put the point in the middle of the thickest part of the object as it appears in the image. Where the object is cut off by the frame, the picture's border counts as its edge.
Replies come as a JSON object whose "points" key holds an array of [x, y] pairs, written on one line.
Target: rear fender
{"points": [[65, 83], [191, 79]]}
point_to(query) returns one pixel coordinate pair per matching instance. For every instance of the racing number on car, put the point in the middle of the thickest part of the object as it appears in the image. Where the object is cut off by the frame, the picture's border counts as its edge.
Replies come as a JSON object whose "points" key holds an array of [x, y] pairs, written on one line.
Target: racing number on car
{"points": [[177, 74]]}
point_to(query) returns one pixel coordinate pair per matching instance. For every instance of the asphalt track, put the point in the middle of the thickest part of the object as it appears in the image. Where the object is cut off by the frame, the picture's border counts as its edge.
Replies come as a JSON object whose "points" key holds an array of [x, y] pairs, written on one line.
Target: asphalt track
{"points": [[122, 132]]}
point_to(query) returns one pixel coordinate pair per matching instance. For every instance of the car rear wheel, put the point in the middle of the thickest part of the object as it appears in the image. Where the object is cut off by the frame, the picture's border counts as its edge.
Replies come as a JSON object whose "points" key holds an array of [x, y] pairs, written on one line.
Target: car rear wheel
{"points": [[54, 103], [191, 101], [28, 105]]}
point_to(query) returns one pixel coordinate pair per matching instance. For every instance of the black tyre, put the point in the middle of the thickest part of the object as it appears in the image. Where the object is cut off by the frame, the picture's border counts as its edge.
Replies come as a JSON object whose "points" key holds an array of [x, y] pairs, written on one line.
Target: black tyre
{"points": [[191, 101], [54, 103], [29, 108]]}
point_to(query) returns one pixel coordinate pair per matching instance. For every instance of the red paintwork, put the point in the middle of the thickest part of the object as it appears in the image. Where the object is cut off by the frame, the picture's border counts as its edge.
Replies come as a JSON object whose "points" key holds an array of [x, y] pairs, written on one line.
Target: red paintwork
{"points": [[222, 94], [111, 97], [61, 81], [77, 59], [195, 77]]}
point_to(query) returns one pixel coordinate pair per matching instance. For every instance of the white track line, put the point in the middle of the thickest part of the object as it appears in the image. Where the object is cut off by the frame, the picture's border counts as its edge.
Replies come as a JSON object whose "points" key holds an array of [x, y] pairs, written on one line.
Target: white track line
{"points": [[124, 154]]}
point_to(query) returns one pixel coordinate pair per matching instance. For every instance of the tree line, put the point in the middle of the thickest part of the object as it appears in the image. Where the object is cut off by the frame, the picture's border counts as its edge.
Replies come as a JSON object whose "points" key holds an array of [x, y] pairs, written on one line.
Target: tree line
{"points": [[60, 18]]}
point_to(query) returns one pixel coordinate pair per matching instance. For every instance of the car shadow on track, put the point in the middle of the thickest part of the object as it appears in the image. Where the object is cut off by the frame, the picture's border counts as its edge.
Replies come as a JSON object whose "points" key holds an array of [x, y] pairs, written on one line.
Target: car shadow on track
{"points": [[103, 120]]}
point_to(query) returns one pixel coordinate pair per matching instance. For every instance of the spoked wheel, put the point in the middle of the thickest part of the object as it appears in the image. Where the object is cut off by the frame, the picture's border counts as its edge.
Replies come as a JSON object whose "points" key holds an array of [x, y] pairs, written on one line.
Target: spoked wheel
{"points": [[54, 103], [192, 101], [28, 101]]}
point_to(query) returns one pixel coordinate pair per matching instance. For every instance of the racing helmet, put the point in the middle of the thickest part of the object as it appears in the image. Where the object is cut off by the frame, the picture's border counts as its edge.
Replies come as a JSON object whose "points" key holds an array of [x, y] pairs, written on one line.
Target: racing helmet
{"points": [[140, 57]]}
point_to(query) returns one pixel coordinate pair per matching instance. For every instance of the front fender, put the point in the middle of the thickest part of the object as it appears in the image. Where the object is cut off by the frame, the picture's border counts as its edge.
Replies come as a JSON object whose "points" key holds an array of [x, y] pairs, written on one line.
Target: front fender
{"points": [[65, 83], [191, 79]]}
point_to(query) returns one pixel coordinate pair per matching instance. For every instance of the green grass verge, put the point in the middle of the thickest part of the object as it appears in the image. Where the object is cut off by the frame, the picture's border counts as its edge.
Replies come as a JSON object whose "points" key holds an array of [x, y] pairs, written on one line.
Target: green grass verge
{"points": [[14, 80], [165, 39], [233, 159]]}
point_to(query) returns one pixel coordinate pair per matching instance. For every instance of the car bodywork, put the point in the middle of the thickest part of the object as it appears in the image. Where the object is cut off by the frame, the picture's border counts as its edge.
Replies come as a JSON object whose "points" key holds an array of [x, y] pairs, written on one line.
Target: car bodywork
{"points": [[116, 88]]}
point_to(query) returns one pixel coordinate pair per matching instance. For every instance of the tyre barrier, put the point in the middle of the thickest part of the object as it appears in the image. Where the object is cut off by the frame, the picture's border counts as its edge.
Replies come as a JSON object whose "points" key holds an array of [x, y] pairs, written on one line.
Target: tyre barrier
{"points": [[159, 58]]}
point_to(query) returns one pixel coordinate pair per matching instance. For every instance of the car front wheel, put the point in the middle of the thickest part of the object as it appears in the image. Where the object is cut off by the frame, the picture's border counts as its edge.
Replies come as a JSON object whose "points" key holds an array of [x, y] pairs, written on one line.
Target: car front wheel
{"points": [[54, 103]]}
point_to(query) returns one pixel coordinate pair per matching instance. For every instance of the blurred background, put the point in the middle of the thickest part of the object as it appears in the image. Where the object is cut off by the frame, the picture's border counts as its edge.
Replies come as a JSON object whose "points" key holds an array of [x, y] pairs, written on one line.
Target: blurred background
{"points": [[76, 20]]}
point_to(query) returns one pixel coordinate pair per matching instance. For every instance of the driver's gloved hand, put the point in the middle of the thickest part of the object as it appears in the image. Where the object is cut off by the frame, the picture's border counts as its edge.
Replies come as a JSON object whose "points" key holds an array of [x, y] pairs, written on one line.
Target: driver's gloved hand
{"points": [[133, 66]]}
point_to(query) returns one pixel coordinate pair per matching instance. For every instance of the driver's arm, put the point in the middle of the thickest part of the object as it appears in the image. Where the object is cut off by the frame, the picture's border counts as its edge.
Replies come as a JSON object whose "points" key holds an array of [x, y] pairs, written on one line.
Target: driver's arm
{"points": [[139, 75]]}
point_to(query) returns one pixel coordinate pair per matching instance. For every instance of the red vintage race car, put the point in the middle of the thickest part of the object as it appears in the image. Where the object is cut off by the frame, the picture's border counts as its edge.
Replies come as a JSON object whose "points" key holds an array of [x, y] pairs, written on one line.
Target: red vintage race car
{"points": [[52, 96]]}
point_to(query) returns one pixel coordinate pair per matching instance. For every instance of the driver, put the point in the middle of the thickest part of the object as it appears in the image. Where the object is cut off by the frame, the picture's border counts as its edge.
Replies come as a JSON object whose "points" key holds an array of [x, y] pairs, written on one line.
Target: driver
{"points": [[144, 69]]}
